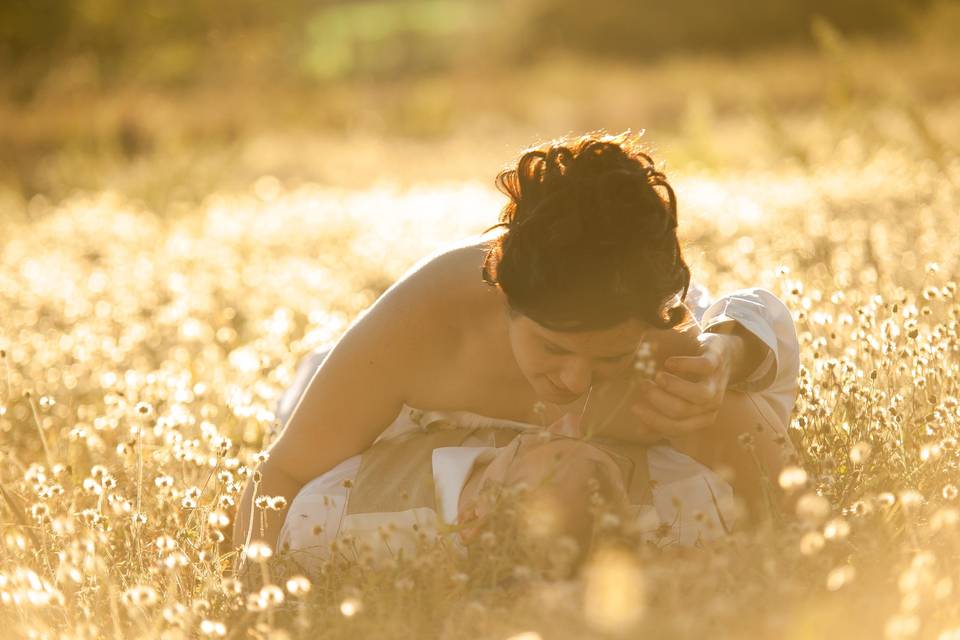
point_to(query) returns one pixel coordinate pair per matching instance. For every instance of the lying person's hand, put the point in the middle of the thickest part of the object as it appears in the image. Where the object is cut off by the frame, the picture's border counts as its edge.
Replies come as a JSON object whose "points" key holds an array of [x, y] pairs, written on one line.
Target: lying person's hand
{"points": [[686, 395], [609, 414]]}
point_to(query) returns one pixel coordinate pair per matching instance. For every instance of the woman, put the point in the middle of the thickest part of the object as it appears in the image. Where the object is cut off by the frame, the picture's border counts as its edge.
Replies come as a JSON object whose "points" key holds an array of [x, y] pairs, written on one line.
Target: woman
{"points": [[586, 264]]}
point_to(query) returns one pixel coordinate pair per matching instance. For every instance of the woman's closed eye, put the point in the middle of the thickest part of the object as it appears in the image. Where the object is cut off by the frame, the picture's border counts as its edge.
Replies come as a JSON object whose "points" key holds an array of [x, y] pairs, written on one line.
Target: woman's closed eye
{"points": [[554, 349]]}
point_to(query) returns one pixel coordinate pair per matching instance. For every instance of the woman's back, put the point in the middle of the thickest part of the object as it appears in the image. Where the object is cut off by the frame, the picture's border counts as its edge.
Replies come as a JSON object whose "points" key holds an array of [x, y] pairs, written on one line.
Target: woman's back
{"points": [[436, 338]]}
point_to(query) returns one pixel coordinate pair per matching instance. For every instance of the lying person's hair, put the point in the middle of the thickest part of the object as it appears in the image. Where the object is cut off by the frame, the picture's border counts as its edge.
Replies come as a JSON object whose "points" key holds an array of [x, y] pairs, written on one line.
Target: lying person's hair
{"points": [[591, 237]]}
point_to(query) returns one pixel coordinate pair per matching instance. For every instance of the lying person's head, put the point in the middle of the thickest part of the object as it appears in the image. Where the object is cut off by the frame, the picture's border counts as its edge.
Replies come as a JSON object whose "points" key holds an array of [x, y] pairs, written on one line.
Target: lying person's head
{"points": [[562, 478], [589, 260]]}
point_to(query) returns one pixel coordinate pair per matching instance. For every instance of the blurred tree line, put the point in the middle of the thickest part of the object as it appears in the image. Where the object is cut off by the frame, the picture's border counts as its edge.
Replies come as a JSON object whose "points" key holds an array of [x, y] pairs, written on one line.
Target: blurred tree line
{"points": [[103, 43]]}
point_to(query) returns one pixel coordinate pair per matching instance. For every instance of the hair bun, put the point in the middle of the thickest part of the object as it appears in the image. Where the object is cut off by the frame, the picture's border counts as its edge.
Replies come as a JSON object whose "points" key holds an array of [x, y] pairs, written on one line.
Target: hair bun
{"points": [[590, 222]]}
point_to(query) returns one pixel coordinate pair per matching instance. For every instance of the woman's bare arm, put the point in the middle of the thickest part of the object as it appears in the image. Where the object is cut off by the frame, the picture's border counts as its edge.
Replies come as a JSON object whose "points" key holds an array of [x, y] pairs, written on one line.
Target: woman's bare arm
{"points": [[354, 395]]}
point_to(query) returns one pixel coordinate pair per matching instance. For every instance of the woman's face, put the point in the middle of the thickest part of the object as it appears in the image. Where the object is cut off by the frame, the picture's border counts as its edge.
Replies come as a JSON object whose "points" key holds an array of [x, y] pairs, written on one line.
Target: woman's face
{"points": [[562, 365]]}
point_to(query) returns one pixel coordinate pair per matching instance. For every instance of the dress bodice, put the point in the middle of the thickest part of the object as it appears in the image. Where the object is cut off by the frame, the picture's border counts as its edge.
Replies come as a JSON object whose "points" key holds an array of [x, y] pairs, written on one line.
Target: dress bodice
{"points": [[413, 418]]}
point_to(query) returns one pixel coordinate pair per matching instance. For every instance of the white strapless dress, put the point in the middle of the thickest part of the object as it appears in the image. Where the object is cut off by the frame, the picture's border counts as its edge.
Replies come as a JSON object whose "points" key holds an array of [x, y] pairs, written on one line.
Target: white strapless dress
{"points": [[693, 500]]}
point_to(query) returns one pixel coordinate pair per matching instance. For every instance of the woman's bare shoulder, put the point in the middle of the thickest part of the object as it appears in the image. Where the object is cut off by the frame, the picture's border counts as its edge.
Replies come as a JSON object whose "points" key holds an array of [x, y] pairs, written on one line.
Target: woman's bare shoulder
{"points": [[440, 291], [450, 263], [448, 279], [421, 324]]}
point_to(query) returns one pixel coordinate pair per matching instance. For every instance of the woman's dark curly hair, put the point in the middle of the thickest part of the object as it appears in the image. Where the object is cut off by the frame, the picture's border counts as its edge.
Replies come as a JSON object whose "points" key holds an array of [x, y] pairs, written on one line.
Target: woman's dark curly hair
{"points": [[591, 236]]}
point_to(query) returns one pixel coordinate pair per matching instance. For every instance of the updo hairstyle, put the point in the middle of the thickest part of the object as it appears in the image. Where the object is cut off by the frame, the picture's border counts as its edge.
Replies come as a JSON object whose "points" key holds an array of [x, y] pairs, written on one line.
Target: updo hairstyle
{"points": [[590, 237]]}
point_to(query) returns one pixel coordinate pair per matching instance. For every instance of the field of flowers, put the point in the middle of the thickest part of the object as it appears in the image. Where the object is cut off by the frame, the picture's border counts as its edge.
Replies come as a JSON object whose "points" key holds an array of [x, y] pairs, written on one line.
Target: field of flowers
{"points": [[141, 356]]}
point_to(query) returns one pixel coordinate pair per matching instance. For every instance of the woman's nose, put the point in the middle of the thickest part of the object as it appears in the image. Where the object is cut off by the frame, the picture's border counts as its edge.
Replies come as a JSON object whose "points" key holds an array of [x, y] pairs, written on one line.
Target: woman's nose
{"points": [[576, 376]]}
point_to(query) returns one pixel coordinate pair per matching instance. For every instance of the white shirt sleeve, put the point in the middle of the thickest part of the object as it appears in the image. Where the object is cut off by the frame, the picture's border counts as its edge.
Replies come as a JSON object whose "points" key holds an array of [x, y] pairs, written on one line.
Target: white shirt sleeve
{"points": [[764, 315]]}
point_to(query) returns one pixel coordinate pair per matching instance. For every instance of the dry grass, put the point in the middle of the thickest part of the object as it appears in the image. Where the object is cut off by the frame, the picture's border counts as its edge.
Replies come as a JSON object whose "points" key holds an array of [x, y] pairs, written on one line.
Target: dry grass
{"points": [[143, 354]]}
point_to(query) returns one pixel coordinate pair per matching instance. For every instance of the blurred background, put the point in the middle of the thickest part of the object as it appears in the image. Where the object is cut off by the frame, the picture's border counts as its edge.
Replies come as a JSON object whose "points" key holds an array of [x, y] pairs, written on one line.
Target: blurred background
{"points": [[168, 100]]}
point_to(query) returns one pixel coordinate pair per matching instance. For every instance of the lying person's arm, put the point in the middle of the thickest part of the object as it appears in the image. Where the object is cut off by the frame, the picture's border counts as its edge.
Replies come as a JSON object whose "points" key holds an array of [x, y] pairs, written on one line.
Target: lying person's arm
{"points": [[757, 341]]}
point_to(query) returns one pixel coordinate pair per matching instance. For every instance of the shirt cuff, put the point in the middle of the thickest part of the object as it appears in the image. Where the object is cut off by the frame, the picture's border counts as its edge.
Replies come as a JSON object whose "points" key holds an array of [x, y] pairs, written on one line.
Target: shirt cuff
{"points": [[765, 316], [749, 315]]}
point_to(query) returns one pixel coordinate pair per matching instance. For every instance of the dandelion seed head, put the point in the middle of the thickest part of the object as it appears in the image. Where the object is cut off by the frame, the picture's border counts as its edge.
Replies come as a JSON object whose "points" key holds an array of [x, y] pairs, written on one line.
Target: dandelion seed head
{"points": [[836, 529], [811, 543], [218, 519], [840, 576], [910, 499], [258, 551], [792, 477], [92, 487], [176, 560], [213, 628], [271, 595], [812, 508], [860, 452], [945, 518], [255, 602], [614, 590], [140, 596], [943, 588], [298, 586], [350, 607], [39, 511], [886, 499]]}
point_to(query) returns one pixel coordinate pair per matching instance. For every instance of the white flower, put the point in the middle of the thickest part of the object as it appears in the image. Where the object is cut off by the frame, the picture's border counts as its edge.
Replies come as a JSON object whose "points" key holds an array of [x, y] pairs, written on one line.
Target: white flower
{"points": [[813, 508], [793, 477], [259, 551], [298, 586]]}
